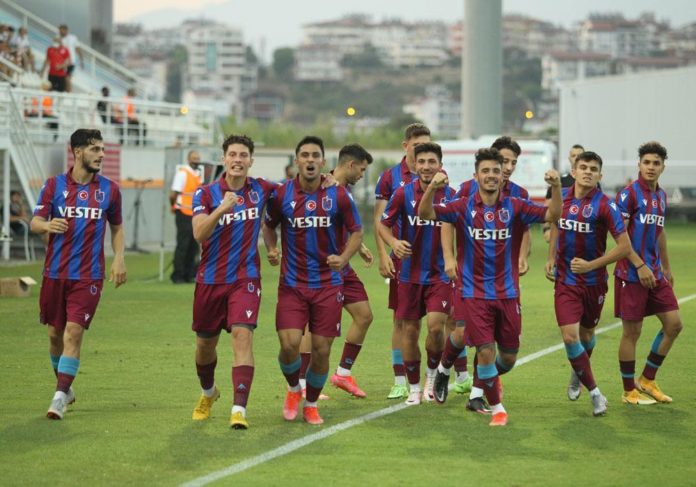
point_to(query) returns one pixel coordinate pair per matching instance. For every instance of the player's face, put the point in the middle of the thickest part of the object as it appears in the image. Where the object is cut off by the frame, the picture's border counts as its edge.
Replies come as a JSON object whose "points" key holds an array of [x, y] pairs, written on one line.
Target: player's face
{"points": [[357, 171], [411, 144], [238, 160], [509, 163], [91, 156], [427, 166], [651, 167], [587, 174], [309, 161], [489, 176], [575, 152]]}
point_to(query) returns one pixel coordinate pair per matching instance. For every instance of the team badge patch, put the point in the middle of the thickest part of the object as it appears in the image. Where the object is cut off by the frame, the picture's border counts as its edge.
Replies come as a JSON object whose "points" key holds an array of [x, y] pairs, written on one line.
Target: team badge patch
{"points": [[83, 195], [662, 204], [504, 215], [253, 197], [93, 290], [311, 205], [326, 203], [587, 211], [654, 203], [574, 209], [488, 216], [99, 196], [250, 287]]}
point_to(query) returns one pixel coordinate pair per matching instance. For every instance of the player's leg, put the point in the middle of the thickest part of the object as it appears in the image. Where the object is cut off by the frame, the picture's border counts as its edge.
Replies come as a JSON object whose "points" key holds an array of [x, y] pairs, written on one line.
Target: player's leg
{"points": [[580, 362], [462, 381], [454, 344], [399, 389], [438, 304], [290, 362], [242, 373], [55, 346], [488, 376], [362, 318], [412, 358], [671, 327], [305, 357]]}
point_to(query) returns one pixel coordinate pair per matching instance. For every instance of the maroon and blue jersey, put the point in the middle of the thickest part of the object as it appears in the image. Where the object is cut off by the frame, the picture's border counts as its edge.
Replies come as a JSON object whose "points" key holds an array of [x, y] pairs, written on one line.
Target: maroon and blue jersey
{"points": [[391, 180], [488, 242], [231, 252], [313, 226], [469, 188], [78, 253], [645, 211], [582, 232], [425, 265]]}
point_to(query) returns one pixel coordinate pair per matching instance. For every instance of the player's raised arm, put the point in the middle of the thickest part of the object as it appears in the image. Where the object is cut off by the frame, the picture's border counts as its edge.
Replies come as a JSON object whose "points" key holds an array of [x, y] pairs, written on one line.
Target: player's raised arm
{"points": [[425, 209], [553, 179], [447, 242], [204, 221]]}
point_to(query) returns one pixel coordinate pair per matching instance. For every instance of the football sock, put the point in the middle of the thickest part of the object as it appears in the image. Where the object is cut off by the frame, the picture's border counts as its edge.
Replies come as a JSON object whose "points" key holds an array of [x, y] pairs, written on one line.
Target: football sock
{"points": [[443, 370], [594, 392], [460, 364], [462, 376], [206, 374], [242, 377], [343, 372], [476, 392], [310, 404], [398, 364], [451, 354], [412, 371], [305, 358], [488, 375], [315, 383], [497, 408], [654, 360], [291, 372], [67, 370], [400, 380], [589, 346], [209, 392], [350, 353], [581, 364], [501, 367], [239, 409], [433, 358], [628, 372], [54, 363]]}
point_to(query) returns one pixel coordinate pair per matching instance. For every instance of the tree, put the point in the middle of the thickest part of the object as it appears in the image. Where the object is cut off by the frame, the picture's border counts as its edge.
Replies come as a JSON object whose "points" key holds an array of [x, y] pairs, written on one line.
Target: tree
{"points": [[283, 62]]}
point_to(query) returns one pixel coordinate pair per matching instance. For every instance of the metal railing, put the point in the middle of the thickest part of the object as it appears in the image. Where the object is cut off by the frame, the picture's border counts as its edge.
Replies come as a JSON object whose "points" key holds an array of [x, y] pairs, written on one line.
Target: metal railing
{"points": [[156, 124], [99, 70]]}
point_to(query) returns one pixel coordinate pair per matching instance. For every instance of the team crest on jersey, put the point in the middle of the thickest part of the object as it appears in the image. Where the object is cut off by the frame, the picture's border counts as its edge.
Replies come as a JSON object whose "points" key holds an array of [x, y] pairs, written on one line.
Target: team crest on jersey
{"points": [[311, 205], [99, 196], [600, 300], [326, 203], [250, 287], [93, 290], [240, 199], [83, 195], [504, 215], [587, 211], [662, 204], [253, 197], [654, 203], [488, 216], [574, 209]]}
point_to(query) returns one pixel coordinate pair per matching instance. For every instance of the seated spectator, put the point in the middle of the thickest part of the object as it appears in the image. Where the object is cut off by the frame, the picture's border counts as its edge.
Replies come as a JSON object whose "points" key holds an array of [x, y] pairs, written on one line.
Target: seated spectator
{"points": [[18, 213], [43, 108], [127, 115], [20, 44]]}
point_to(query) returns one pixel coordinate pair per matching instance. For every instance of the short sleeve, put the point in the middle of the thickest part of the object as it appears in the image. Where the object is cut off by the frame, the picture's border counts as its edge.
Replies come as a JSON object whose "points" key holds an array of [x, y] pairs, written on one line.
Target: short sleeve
{"points": [[201, 202], [393, 209], [528, 212], [113, 213], [347, 207], [613, 217], [44, 205], [624, 202], [449, 212], [273, 208], [383, 189]]}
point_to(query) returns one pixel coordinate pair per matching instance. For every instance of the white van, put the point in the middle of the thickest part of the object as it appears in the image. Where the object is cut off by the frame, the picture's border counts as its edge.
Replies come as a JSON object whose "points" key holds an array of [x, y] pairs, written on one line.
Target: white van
{"points": [[537, 157]]}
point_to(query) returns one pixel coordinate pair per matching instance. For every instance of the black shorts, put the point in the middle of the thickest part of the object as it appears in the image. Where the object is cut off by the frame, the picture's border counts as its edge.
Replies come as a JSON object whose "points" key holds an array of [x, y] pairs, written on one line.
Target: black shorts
{"points": [[57, 82], [70, 69]]}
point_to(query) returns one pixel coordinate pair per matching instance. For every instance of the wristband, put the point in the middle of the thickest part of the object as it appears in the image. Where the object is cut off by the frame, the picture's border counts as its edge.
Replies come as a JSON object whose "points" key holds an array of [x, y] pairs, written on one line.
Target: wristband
{"points": [[642, 265]]}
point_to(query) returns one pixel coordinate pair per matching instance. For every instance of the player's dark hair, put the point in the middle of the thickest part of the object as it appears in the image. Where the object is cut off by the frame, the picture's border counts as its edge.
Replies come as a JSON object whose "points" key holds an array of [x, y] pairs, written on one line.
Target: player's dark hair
{"points": [[238, 139], [353, 152], [578, 146], [589, 156], [310, 139], [506, 142], [416, 130], [652, 147], [429, 147], [83, 137], [486, 154]]}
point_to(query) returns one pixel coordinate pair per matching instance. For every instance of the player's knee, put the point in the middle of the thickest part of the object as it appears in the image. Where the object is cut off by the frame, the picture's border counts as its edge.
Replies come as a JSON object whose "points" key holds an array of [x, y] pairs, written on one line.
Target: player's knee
{"points": [[674, 329], [364, 319]]}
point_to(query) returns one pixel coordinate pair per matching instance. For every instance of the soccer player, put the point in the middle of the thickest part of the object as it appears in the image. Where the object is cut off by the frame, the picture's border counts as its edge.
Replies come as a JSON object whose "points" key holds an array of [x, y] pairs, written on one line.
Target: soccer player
{"points": [[353, 160], [424, 288], [489, 228], [391, 179], [567, 180], [577, 262], [74, 208], [313, 221], [227, 219], [643, 281]]}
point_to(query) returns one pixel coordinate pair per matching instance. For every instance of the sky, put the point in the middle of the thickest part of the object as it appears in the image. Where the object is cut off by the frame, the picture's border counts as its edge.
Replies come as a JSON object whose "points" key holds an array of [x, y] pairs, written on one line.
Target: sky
{"points": [[277, 23]]}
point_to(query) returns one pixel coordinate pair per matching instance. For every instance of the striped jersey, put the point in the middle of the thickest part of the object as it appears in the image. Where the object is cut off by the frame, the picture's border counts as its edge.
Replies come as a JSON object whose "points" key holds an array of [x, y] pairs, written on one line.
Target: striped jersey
{"points": [[469, 188], [582, 232], [231, 252], [389, 181], [488, 242], [645, 211], [425, 265], [78, 253], [313, 226]]}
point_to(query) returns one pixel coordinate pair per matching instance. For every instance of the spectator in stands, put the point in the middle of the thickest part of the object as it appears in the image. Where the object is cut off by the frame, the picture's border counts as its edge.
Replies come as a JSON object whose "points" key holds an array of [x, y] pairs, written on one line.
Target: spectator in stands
{"points": [[57, 61], [18, 213], [103, 106], [22, 47], [70, 41], [42, 107], [127, 115]]}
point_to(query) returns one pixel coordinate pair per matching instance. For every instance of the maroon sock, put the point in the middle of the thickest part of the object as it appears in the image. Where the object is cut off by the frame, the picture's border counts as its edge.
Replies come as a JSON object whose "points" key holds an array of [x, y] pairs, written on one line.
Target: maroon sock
{"points": [[450, 354], [460, 364], [306, 357], [652, 364], [64, 381], [628, 372], [398, 369], [242, 377], [582, 368], [350, 353], [433, 358], [490, 390], [206, 374], [412, 371]]}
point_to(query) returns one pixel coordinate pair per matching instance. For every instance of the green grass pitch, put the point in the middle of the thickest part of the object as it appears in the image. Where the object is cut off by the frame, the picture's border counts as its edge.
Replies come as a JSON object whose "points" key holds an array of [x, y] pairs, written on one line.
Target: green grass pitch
{"points": [[131, 424]]}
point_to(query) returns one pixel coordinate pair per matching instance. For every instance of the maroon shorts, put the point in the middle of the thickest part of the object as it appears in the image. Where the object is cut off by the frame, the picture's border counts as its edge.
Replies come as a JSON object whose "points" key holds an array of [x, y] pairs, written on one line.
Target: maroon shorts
{"points": [[491, 321], [219, 306], [353, 288], [394, 286], [633, 302], [320, 308], [416, 300], [68, 300], [579, 304]]}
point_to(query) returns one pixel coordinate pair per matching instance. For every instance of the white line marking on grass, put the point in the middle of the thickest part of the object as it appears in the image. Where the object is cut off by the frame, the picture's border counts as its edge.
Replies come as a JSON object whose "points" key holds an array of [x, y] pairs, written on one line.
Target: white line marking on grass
{"points": [[325, 433]]}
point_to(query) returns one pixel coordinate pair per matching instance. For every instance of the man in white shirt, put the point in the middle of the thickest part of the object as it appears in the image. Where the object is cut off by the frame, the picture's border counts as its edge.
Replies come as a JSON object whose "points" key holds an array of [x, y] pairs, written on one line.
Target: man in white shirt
{"points": [[71, 43]]}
